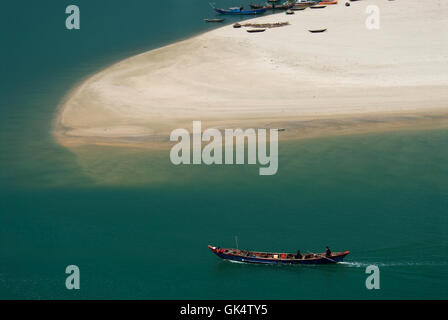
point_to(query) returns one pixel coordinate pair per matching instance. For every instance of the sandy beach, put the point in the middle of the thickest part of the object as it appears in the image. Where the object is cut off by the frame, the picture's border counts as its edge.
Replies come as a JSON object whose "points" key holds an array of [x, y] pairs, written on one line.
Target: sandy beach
{"points": [[347, 78]]}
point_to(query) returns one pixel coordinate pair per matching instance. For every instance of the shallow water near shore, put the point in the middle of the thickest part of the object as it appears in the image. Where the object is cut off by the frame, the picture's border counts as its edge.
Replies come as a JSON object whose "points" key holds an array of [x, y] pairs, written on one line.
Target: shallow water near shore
{"points": [[138, 227]]}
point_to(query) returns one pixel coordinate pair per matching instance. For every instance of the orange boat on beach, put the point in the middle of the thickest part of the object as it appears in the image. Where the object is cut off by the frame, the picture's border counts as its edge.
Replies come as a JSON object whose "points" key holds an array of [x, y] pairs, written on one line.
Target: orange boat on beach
{"points": [[328, 2]]}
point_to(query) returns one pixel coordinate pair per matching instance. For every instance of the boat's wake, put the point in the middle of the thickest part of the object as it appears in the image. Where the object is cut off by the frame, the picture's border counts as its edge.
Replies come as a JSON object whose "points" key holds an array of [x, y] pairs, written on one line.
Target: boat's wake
{"points": [[239, 262], [355, 264], [363, 264]]}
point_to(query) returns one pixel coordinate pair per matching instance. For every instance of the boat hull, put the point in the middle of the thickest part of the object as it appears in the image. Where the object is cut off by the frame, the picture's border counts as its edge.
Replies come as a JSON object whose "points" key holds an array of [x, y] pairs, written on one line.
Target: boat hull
{"points": [[319, 259], [242, 12], [273, 7], [328, 2]]}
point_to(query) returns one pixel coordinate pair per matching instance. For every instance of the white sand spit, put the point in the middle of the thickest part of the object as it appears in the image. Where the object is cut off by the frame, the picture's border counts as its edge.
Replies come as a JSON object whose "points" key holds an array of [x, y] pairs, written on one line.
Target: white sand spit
{"points": [[229, 77]]}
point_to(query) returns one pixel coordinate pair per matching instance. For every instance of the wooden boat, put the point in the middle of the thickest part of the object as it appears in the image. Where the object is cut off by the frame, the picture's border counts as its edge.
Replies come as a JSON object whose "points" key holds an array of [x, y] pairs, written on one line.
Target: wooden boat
{"points": [[317, 30], [328, 2], [276, 258], [284, 6], [266, 25], [318, 7], [302, 5], [240, 11], [306, 3], [289, 12], [213, 20], [256, 30]]}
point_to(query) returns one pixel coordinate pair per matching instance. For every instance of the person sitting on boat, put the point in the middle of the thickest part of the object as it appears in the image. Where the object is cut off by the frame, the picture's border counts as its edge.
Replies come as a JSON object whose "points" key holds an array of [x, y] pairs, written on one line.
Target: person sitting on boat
{"points": [[298, 255], [327, 251]]}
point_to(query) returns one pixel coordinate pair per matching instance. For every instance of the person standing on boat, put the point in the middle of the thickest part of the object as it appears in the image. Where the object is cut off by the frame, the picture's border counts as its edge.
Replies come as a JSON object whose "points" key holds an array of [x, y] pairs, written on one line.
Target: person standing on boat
{"points": [[327, 251], [298, 255]]}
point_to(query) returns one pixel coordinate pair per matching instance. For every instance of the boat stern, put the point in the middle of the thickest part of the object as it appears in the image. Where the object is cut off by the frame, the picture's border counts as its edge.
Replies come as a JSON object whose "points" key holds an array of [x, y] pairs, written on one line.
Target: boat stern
{"points": [[341, 256]]}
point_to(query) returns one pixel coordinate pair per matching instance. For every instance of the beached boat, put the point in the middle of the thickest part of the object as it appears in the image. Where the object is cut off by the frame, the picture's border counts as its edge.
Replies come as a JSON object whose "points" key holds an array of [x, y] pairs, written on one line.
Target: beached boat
{"points": [[240, 11], [237, 255], [318, 7], [284, 6], [328, 2], [317, 30], [306, 2], [300, 5], [256, 30]]}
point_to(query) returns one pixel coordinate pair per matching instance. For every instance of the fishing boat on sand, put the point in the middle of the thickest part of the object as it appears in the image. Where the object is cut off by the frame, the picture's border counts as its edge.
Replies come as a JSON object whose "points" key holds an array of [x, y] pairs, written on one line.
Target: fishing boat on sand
{"points": [[317, 30], [239, 11], [237, 255], [301, 5], [306, 2], [284, 6], [256, 30], [316, 2], [328, 2]]}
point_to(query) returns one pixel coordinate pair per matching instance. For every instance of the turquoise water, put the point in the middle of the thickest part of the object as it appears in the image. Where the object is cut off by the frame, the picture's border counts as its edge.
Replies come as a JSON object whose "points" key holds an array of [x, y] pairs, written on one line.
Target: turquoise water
{"points": [[382, 196]]}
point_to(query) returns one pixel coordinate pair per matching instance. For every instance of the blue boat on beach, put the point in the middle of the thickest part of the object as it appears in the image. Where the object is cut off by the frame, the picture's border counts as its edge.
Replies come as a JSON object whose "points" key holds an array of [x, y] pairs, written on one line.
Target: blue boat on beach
{"points": [[236, 255], [240, 11]]}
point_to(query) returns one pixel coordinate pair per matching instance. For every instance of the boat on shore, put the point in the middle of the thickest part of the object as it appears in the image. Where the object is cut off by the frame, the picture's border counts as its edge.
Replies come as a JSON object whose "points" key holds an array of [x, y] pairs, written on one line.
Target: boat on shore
{"points": [[306, 2], [317, 30], [301, 5], [237, 255], [328, 2], [240, 11], [256, 30], [284, 6]]}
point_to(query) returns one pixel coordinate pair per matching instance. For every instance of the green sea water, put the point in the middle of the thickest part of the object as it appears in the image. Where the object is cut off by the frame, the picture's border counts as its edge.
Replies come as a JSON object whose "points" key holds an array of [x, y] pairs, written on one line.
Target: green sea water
{"points": [[138, 227]]}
